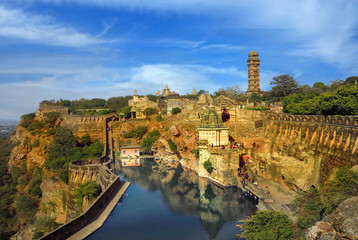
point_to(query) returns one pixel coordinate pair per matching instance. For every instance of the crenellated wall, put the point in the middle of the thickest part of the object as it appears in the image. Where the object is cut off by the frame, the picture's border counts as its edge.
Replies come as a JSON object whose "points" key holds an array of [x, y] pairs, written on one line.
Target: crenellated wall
{"points": [[94, 126], [301, 150]]}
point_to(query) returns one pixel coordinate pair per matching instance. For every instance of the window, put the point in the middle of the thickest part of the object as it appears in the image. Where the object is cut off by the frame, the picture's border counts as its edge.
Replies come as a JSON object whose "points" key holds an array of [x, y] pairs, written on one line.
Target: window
{"points": [[136, 151], [124, 151]]}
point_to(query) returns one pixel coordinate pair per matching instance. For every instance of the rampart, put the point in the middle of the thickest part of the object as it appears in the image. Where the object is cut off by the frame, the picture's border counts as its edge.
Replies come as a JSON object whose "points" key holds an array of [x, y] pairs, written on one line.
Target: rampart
{"points": [[46, 108], [303, 150], [94, 126]]}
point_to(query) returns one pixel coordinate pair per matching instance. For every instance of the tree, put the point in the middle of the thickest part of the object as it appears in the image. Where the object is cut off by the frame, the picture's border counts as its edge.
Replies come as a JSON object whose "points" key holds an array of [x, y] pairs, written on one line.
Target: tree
{"points": [[234, 92], [176, 110], [127, 111], [284, 85], [255, 98], [150, 111], [268, 225], [351, 80], [208, 166]]}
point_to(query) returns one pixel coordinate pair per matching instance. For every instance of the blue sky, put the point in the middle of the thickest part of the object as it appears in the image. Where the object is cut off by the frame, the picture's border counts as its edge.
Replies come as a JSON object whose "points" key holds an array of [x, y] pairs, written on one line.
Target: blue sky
{"points": [[54, 49]]}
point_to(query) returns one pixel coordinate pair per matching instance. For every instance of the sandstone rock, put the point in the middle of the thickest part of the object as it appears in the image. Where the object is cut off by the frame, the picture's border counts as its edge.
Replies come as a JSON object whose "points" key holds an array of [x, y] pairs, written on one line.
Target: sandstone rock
{"points": [[341, 224], [174, 131]]}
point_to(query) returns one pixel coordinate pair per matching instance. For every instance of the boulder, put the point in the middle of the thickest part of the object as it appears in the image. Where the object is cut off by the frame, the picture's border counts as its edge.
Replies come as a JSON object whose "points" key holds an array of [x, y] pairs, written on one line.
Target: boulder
{"points": [[341, 224]]}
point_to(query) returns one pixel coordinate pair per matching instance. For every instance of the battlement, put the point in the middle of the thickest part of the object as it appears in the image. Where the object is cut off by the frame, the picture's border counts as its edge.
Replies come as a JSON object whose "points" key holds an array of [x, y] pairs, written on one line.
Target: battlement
{"points": [[344, 121], [46, 108]]}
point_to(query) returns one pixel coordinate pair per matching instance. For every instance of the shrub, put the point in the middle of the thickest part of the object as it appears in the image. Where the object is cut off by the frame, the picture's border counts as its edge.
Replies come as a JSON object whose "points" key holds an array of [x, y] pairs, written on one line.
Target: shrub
{"points": [[36, 143], [136, 133], [176, 110], [35, 183], [344, 185], [159, 118], [35, 125], [310, 208], [51, 117], [172, 146], [196, 152], [150, 111], [27, 207], [268, 225], [94, 150], [90, 190], [208, 166], [27, 119], [147, 143]]}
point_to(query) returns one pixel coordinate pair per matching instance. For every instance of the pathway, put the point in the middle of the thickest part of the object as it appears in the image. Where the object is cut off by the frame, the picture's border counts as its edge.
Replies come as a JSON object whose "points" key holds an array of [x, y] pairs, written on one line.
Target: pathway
{"points": [[101, 216]]}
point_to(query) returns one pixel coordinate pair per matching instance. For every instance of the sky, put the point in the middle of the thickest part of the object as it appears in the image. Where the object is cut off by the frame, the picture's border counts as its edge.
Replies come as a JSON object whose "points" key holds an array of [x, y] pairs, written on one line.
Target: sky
{"points": [[69, 49]]}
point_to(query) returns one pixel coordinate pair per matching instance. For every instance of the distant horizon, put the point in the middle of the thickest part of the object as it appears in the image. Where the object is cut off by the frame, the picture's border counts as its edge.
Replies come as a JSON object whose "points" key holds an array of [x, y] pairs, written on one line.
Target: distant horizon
{"points": [[68, 49]]}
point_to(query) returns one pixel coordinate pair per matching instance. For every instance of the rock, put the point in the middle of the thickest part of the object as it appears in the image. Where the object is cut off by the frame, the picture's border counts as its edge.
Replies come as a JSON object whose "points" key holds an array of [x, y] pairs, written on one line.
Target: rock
{"points": [[341, 224], [173, 130]]}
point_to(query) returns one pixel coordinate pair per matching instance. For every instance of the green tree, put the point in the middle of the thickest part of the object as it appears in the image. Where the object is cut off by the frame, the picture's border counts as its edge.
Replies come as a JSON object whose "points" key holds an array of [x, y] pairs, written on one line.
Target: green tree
{"points": [[94, 150], [150, 111], [90, 190], [351, 80], [127, 111], [283, 86], [208, 166], [344, 185], [138, 132], [268, 225], [255, 98], [172, 146], [176, 110]]}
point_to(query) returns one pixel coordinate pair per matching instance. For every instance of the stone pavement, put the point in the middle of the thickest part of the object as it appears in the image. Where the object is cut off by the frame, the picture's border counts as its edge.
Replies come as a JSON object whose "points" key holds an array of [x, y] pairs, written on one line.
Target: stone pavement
{"points": [[98, 220], [279, 199]]}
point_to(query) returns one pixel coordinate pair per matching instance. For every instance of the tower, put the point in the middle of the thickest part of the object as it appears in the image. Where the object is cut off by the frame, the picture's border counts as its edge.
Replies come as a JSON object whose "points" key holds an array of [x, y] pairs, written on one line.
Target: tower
{"points": [[253, 62]]}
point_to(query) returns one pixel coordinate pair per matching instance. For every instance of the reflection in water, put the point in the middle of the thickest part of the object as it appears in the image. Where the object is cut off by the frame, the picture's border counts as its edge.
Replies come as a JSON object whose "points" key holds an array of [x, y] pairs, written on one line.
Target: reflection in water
{"points": [[184, 191]]}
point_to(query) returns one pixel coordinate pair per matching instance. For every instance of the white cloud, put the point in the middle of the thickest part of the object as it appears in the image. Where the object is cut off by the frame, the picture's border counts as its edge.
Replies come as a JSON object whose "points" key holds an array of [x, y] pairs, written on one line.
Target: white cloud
{"points": [[319, 28], [42, 29], [21, 97]]}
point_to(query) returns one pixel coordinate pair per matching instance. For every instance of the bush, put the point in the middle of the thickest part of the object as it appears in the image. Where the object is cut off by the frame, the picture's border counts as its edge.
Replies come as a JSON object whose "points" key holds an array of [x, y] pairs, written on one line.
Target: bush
{"points": [[268, 225], [159, 118], [90, 190], [27, 207], [94, 150], [344, 185], [35, 183], [150, 111], [27, 119], [176, 110], [310, 208], [51, 117], [147, 143], [172, 146], [208, 166], [136, 133]]}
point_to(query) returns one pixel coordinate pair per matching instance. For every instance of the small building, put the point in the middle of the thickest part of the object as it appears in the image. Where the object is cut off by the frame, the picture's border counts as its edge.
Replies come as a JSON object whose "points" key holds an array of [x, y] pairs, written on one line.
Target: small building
{"points": [[131, 151], [139, 105], [212, 128]]}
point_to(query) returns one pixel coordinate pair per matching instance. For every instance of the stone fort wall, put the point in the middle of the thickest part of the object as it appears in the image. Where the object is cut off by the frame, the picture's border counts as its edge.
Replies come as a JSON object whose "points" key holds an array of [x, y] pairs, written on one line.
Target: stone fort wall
{"points": [[303, 150]]}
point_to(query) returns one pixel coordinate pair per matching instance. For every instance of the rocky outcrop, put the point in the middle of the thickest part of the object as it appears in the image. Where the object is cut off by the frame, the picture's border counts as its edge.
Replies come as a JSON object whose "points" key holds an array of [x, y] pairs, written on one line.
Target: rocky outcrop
{"points": [[341, 224]]}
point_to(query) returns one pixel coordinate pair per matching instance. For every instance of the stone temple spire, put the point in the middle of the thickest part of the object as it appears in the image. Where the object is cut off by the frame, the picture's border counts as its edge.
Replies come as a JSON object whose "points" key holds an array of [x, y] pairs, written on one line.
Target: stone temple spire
{"points": [[254, 75]]}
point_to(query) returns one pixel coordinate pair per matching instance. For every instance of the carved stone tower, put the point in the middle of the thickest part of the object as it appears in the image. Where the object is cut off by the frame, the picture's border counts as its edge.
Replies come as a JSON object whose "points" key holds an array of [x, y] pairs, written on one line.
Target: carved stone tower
{"points": [[254, 75]]}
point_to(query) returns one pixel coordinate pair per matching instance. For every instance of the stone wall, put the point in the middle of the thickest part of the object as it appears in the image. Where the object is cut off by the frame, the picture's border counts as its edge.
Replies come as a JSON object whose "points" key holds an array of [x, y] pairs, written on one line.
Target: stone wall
{"points": [[301, 151], [78, 223], [94, 126], [46, 108]]}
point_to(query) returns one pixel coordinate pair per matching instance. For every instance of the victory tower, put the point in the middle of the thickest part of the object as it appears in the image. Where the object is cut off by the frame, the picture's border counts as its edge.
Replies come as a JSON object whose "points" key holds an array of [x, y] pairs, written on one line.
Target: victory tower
{"points": [[254, 76]]}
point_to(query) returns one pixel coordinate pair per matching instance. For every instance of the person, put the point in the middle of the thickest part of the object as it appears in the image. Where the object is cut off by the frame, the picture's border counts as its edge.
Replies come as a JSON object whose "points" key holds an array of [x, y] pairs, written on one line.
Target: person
{"points": [[225, 115], [223, 147]]}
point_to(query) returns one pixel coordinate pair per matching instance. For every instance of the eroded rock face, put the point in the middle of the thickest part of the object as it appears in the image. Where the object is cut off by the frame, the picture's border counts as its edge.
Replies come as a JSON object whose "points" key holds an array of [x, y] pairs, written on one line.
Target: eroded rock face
{"points": [[341, 224]]}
